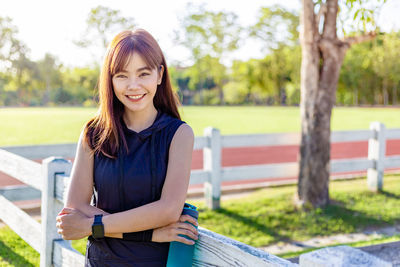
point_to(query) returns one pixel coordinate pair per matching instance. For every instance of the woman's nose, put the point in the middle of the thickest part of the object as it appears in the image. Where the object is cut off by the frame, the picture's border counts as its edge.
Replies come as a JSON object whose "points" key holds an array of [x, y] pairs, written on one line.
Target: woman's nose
{"points": [[133, 83]]}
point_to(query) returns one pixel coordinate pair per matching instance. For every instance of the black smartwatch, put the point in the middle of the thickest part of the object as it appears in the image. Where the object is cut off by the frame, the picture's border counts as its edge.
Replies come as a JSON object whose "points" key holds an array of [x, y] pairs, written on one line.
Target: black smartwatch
{"points": [[98, 227]]}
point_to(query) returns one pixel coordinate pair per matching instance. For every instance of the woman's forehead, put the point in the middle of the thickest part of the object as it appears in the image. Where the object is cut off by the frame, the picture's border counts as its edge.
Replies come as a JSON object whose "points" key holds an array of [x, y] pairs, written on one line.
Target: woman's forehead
{"points": [[135, 62]]}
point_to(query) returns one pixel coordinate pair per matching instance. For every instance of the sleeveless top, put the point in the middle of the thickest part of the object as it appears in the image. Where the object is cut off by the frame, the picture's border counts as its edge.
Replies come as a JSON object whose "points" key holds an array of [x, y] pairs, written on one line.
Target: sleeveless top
{"points": [[133, 179]]}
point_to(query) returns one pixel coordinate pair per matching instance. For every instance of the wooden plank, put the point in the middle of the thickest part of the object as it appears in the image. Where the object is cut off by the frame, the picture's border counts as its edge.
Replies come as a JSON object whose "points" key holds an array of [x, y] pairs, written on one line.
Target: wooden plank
{"points": [[200, 142], [25, 170], [68, 150], [392, 134], [392, 162], [376, 152], [351, 136], [65, 256], [248, 140], [289, 138], [349, 165], [19, 192], [212, 155], [43, 151], [199, 176], [260, 171], [212, 249], [61, 187], [21, 223], [288, 169], [62, 182], [51, 168]]}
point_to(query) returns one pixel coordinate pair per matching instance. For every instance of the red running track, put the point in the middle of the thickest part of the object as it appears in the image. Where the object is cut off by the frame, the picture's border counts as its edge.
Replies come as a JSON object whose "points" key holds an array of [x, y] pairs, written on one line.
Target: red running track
{"points": [[265, 155]]}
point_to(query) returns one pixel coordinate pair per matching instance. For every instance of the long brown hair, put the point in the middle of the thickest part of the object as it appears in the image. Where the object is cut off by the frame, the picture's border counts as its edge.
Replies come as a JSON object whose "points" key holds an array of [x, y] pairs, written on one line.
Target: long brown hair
{"points": [[103, 133]]}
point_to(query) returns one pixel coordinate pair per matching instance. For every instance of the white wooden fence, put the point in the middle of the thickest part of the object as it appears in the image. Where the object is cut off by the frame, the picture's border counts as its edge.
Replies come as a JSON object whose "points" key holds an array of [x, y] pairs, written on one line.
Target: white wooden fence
{"points": [[52, 179], [213, 174]]}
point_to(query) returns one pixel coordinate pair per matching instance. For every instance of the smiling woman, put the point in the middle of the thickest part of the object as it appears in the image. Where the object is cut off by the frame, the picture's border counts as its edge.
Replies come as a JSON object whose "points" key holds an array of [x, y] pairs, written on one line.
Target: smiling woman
{"points": [[136, 85], [133, 160]]}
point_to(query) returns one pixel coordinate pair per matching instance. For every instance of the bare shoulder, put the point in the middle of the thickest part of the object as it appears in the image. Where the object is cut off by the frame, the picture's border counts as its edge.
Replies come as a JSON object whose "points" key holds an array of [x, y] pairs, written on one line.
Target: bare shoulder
{"points": [[82, 143], [184, 134]]}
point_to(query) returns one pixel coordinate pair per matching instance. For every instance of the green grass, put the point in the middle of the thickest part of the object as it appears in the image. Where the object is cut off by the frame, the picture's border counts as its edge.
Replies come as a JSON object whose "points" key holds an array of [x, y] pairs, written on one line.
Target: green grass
{"points": [[21, 126], [16, 252], [268, 216]]}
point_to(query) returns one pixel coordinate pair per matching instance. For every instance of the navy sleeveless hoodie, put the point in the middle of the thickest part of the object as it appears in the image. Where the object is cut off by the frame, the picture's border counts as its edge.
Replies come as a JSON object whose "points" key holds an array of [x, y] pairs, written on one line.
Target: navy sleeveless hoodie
{"points": [[132, 180]]}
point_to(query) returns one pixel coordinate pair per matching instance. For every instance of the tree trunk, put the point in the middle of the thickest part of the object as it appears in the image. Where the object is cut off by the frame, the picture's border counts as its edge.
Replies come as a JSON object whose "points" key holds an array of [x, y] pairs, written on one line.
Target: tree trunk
{"points": [[394, 94], [221, 95], [322, 56], [355, 97], [385, 94]]}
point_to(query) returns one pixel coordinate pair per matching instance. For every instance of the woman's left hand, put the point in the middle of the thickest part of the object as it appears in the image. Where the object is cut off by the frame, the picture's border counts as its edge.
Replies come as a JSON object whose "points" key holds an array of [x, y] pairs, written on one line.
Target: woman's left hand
{"points": [[73, 224]]}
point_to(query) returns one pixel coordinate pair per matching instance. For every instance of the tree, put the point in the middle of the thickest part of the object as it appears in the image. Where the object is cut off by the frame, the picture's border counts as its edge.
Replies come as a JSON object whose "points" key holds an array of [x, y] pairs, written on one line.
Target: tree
{"points": [[102, 24], [387, 66], [209, 36], [322, 56], [277, 28], [50, 75], [21, 71]]}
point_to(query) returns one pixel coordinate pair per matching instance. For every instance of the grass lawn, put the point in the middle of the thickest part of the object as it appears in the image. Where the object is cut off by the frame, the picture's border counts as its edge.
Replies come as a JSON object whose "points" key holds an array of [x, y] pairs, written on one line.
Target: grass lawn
{"points": [[267, 216], [16, 252], [22, 126]]}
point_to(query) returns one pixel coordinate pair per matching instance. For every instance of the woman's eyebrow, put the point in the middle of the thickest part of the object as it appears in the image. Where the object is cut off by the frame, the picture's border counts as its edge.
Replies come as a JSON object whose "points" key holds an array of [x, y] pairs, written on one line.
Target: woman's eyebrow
{"points": [[138, 70], [143, 68]]}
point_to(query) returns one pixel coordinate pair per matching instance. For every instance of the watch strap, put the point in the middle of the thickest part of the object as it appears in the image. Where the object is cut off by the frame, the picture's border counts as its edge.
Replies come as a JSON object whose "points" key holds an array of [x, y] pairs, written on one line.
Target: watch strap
{"points": [[97, 219], [98, 227]]}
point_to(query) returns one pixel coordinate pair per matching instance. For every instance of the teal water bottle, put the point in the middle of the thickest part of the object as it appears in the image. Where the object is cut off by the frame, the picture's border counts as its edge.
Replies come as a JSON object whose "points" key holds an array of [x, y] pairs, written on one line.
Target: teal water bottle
{"points": [[181, 255]]}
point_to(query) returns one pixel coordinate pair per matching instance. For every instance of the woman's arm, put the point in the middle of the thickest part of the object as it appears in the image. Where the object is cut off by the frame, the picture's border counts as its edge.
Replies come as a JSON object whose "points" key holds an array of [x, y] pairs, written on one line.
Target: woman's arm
{"points": [[81, 186], [160, 213]]}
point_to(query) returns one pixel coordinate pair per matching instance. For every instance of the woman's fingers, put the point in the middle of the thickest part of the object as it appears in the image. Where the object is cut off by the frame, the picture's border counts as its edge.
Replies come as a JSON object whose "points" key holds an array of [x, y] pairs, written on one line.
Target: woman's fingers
{"points": [[188, 226], [186, 229], [187, 233], [184, 240], [188, 218], [66, 210]]}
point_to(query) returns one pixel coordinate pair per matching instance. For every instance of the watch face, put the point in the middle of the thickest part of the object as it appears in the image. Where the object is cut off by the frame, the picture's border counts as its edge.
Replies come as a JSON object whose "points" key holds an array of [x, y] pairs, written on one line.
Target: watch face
{"points": [[98, 231]]}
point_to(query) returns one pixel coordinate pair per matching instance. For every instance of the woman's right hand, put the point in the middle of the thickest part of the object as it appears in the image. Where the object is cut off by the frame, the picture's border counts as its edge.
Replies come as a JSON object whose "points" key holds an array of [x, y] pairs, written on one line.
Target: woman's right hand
{"points": [[172, 231]]}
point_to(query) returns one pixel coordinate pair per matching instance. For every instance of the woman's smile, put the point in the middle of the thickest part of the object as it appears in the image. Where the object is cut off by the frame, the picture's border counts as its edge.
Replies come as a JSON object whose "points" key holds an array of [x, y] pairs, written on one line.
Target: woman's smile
{"points": [[135, 98]]}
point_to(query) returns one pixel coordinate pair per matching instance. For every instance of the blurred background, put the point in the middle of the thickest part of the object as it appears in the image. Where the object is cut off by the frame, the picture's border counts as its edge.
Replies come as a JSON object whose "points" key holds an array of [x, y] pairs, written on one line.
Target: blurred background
{"points": [[219, 52]]}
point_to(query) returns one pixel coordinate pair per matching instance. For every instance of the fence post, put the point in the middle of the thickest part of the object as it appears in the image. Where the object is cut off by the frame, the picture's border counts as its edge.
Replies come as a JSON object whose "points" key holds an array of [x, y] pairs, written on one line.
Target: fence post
{"points": [[212, 164], [376, 152], [50, 206]]}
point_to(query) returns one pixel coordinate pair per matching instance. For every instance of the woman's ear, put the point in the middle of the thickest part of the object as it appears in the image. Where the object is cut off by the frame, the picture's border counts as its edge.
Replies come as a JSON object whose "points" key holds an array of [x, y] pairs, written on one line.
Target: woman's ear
{"points": [[160, 74]]}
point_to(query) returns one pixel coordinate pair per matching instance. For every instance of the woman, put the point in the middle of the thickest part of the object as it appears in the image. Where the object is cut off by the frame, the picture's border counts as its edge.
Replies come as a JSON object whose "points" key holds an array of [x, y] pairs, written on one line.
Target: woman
{"points": [[133, 161]]}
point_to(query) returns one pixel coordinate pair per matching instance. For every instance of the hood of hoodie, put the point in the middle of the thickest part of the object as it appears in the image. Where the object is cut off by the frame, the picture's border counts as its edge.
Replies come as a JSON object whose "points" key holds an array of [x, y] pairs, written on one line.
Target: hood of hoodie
{"points": [[162, 120]]}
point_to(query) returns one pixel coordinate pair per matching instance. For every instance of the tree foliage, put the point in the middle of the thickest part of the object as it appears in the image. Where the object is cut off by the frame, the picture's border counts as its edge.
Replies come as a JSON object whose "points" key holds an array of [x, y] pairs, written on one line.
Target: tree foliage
{"points": [[102, 24], [369, 75]]}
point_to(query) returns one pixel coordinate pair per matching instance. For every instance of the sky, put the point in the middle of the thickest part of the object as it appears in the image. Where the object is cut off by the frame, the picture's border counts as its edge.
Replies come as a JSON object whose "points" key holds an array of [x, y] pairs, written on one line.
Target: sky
{"points": [[52, 26]]}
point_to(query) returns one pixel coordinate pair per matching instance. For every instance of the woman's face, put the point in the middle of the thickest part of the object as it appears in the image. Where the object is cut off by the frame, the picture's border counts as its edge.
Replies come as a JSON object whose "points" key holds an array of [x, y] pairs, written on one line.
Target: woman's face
{"points": [[136, 85]]}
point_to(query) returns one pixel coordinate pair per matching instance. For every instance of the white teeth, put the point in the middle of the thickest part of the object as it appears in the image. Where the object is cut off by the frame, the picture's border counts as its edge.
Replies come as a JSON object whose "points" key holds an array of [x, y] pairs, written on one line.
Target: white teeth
{"points": [[135, 96]]}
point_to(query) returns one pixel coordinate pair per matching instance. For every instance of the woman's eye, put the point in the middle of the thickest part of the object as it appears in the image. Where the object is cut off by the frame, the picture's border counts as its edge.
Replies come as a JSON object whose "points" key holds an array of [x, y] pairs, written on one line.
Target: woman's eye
{"points": [[144, 74], [120, 76]]}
